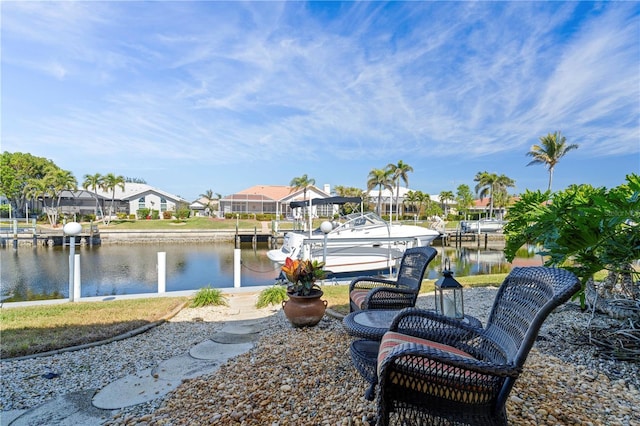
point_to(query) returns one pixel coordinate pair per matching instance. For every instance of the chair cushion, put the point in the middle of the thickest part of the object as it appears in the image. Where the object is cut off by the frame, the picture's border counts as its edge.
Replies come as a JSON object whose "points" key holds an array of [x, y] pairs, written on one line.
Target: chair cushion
{"points": [[391, 339], [447, 382], [357, 296]]}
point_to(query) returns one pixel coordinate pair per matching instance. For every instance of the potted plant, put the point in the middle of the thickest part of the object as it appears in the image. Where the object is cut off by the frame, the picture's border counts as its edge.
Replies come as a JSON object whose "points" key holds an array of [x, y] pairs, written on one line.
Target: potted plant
{"points": [[304, 307]]}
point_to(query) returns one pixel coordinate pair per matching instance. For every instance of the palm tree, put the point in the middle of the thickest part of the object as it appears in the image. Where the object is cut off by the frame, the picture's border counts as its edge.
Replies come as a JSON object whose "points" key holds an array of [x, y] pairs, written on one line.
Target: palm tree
{"points": [[399, 172], [93, 182], [382, 178], [58, 181], [489, 183], [485, 182], [303, 182], [551, 149], [413, 199], [109, 183], [446, 196], [36, 188], [208, 194]]}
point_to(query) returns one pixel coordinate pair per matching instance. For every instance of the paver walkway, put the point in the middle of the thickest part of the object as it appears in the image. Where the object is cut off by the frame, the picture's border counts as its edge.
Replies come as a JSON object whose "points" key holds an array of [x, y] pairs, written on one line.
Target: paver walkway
{"points": [[90, 408]]}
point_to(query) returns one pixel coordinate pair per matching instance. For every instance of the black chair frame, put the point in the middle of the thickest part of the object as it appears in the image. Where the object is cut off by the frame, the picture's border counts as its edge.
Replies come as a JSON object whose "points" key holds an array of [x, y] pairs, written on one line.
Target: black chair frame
{"points": [[420, 384], [401, 292]]}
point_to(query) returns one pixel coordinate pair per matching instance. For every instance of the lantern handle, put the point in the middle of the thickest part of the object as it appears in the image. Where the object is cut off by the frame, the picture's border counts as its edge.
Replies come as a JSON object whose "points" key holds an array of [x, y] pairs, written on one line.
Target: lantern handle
{"points": [[447, 264]]}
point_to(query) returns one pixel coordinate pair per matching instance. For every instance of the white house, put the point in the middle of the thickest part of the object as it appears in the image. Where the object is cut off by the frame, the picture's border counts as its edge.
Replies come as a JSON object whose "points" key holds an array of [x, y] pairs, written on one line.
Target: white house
{"points": [[133, 197]]}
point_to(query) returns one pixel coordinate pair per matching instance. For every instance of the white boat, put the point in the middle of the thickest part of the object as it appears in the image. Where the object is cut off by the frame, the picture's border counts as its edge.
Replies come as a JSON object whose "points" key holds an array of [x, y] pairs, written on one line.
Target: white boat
{"points": [[483, 225], [356, 242], [342, 256]]}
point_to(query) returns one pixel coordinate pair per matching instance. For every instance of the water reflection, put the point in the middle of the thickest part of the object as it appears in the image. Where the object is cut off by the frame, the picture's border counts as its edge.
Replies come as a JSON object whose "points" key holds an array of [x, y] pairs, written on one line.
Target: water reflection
{"points": [[38, 273]]}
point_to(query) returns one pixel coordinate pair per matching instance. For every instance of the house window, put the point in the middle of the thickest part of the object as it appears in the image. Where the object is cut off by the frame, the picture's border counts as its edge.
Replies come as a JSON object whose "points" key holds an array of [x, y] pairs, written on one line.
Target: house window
{"points": [[163, 204], [141, 204]]}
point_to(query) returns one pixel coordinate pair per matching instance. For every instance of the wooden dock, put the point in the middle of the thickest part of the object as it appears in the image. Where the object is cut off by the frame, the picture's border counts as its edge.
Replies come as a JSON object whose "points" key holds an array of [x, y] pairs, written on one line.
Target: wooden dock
{"points": [[458, 237], [25, 234]]}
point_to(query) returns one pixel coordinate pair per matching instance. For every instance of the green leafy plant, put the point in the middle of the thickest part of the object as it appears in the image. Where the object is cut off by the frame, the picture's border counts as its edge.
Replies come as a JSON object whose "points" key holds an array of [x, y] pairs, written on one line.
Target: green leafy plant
{"points": [[273, 295], [302, 275], [582, 228], [208, 296]]}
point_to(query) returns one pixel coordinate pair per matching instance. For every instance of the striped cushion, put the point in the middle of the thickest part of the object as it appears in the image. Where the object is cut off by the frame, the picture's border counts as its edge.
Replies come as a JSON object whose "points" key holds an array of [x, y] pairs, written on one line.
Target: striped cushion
{"points": [[358, 296], [451, 383], [391, 339]]}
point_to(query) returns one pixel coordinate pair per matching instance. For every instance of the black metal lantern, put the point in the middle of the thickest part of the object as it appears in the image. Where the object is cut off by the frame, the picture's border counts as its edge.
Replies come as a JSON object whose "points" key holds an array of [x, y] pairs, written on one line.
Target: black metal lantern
{"points": [[448, 294]]}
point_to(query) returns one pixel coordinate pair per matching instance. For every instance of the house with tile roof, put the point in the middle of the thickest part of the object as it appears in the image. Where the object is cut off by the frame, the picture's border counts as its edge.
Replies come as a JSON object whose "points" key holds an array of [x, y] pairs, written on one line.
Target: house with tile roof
{"points": [[272, 199]]}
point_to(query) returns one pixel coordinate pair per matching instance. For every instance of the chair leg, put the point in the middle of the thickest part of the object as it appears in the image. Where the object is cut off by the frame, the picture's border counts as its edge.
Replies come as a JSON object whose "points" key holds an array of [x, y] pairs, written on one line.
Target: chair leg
{"points": [[370, 393]]}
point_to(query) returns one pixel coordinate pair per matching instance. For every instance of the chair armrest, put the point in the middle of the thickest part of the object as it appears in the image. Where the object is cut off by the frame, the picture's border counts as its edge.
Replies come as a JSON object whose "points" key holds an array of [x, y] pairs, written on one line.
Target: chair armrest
{"points": [[429, 325], [366, 283], [381, 297], [433, 362]]}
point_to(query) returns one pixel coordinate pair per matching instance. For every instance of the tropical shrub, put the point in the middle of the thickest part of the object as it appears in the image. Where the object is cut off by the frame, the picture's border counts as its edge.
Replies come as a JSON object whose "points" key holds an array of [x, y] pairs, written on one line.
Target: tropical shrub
{"points": [[582, 228], [142, 213]]}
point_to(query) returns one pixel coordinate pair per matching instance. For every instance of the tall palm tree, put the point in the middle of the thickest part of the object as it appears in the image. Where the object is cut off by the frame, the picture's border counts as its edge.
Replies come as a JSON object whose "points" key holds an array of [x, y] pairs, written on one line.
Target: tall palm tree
{"points": [[484, 187], [399, 173], [208, 194], [413, 199], [550, 150], [38, 188], [303, 182], [60, 180], [446, 196], [109, 183], [489, 184], [382, 178], [93, 182]]}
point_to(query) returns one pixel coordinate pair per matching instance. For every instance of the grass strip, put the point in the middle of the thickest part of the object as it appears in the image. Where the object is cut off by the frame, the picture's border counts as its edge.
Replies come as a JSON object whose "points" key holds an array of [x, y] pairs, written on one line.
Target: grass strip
{"points": [[36, 329]]}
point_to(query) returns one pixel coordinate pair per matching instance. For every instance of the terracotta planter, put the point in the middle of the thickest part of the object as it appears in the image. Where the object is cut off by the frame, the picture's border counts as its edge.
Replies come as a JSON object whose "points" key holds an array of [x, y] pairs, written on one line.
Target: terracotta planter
{"points": [[305, 311]]}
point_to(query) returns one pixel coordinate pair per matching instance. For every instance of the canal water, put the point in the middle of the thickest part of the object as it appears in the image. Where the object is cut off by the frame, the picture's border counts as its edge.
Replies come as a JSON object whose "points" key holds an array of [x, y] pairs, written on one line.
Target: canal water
{"points": [[38, 273]]}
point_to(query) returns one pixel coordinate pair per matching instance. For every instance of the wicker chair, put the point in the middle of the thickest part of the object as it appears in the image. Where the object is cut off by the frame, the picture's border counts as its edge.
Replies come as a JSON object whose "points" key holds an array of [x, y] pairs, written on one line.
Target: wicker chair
{"points": [[434, 370], [380, 293]]}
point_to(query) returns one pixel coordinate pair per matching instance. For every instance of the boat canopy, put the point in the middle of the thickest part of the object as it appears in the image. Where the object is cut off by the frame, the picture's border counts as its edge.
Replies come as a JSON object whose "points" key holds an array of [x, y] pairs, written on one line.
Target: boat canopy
{"points": [[323, 201]]}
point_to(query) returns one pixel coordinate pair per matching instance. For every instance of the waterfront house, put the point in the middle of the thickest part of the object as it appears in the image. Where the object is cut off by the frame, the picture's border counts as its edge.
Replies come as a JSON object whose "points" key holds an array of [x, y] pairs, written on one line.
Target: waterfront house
{"points": [[273, 199], [133, 197]]}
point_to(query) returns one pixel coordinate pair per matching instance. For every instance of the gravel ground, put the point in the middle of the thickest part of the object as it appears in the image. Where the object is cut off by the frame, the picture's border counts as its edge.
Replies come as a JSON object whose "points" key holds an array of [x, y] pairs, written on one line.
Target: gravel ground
{"points": [[305, 376]]}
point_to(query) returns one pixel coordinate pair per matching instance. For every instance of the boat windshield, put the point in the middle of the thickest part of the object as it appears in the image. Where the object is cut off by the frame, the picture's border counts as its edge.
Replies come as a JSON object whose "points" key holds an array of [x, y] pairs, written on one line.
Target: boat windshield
{"points": [[358, 221]]}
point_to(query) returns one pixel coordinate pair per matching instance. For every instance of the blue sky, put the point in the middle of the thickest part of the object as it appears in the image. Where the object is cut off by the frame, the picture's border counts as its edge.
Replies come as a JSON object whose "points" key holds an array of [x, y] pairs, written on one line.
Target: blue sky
{"points": [[204, 95]]}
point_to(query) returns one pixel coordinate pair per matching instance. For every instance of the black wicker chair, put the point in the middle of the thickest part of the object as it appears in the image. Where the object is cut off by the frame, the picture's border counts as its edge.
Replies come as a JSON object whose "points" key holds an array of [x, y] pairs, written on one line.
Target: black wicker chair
{"points": [[380, 293], [462, 374]]}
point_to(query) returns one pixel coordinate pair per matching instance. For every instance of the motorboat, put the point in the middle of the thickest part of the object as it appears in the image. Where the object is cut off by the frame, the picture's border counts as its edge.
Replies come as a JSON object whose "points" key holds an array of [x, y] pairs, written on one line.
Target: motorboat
{"points": [[482, 225], [355, 242], [342, 256]]}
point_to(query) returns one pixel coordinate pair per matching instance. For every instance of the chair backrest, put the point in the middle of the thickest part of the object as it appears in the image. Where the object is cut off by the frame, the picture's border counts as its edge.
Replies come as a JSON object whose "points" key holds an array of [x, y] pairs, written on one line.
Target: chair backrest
{"points": [[414, 265], [524, 300]]}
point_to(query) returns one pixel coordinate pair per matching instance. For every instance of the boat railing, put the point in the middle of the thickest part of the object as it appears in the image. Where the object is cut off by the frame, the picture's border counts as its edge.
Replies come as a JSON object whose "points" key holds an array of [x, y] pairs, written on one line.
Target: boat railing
{"points": [[308, 244]]}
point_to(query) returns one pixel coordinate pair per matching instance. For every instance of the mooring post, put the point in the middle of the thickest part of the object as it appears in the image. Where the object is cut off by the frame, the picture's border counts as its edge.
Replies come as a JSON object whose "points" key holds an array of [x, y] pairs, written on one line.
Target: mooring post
{"points": [[15, 233], [236, 267], [77, 292], [162, 272]]}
